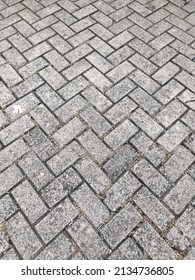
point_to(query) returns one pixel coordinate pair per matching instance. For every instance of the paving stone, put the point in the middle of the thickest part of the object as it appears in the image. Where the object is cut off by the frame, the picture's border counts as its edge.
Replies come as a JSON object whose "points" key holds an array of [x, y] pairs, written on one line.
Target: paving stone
{"points": [[14, 58], [191, 254], [96, 98], [163, 56], [120, 134], [94, 146], [22, 236], [124, 188], [61, 187], [151, 177], [60, 44], [99, 62], [78, 53], [177, 164], [12, 153], [174, 136], [127, 251], [56, 220], [65, 158], [4, 245], [176, 238], [60, 249], [146, 123], [187, 97], [100, 81], [3, 120], [56, 60], [171, 113], [35, 170], [88, 240], [6, 96], [121, 225], [181, 194], [142, 48], [76, 69], [120, 161], [29, 201], [68, 132], [149, 148], [9, 75], [90, 205], [166, 73], [153, 208], [189, 119], [101, 46], [95, 177], [10, 255], [45, 119], [190, 143], [120, 71], [95, 120], [54, 79], [154, 244], [16, 129], [7, 208], [37, 51]]}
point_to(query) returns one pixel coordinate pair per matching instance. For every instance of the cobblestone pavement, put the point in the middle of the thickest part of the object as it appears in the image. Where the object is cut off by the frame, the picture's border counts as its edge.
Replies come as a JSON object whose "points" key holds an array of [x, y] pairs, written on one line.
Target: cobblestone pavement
{"points": [[97, 139]]}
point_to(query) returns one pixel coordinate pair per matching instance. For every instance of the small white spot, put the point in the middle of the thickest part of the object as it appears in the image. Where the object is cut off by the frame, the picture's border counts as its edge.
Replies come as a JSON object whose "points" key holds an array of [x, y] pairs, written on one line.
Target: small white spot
{"points": [[17, 109]]}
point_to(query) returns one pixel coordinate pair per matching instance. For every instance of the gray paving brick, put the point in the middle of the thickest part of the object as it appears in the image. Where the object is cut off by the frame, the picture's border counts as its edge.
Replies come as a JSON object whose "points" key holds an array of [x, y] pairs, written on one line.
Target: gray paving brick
{"points": [[181, 35], [158, 249], [28, 85], [3, 120], [141, 33], [96, 98], [45, 119], [146, 123], [161, 41], [149, 148], [35, 170], [65, 158], [127, 251], [9, 75], [94, 146], [49, 97], [54, 79], [176, 238], [10, 255], [16, 129], [153, 208], [102, 47], [7, 208], [168, 91], [60, 249], [92, 207], [190, 143], [151, 177], [56, 60], [171, 113], [76, 69], [41, 145], [142, 48], [120, 134], [95, 177], [82, 24], [120, 90], [97, 78], [120, 71], [120, 161], [99, 62], [96, 121], [12, 153], [61, 187], [80, 38], [101, 31], [68, 132], [60, 44], [124, 188], [88, 240], [73, 88], [6, 96], [23, 237], [189, 119], [163, 56], [66, 18], [37, 51], [177, 163], [48, 10], [32, 67], [56, 220], [174, 136], [121, 225], [181, 194], [14, 58], [4, 245], [166, 73]]}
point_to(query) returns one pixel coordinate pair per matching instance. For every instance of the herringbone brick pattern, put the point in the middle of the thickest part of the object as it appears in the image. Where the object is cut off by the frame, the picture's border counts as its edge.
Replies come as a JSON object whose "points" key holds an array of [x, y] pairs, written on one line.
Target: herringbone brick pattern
{"points": [[97, 139]]}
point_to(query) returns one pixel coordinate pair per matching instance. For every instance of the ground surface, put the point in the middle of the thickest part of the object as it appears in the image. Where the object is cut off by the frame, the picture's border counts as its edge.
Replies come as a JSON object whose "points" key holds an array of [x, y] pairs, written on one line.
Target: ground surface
{"points": [[97, 141]]}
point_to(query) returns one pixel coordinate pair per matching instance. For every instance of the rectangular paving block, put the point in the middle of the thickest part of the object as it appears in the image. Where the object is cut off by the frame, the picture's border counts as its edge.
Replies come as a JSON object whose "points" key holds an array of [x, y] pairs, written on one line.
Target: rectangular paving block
{"points": [[7, 208], [94, 146], [153, 208], [166, 73], [151, 177], [120, 134], [12, 153], [52, 77], [177, 163], [37, 51], [174, 136], [121, 225], [22, 236], [76, 69], [98, 79], [29, 201], [69, 155], [120, 71], [35, 170], [9, 75], [158, 249], [96, 121], [180, 195], [6, 96], [120, 161], [124, 188], [146, 123], [16, 129], [88, 240], [61, 186], [95, 177], [56, 220], [68, 132], [45, 119], [92, 206]]}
